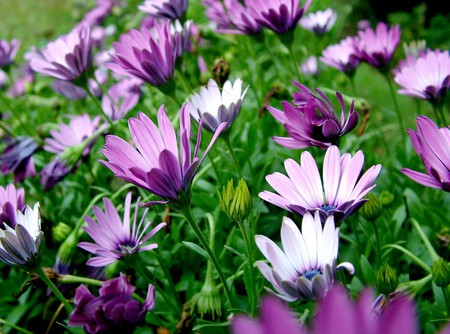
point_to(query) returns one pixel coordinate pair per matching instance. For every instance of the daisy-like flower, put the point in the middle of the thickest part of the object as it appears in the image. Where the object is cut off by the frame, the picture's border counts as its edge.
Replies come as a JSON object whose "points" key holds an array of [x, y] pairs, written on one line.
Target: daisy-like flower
{"points": [[426, 77], [376, 47], [121, 98], [310, 67], [11, 200], [8, 51], [149, 55], [306, 267], [66, 58], [432, 144], [312, 120], [165, 9], [340, 194], [158, 166], [116, 238], [319, 22], [114, 311], [342, 56], [214, 106], [19, 243], [242, 20], [17, 158]]}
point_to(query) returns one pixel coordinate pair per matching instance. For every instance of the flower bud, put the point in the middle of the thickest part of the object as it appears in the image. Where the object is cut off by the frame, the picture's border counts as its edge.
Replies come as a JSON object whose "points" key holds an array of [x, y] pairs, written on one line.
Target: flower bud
{"points": [[386, 198], [387, 280], [221, 71], [441, 273], [61, 232], [372, 208], [236, 203], [207, 301]]}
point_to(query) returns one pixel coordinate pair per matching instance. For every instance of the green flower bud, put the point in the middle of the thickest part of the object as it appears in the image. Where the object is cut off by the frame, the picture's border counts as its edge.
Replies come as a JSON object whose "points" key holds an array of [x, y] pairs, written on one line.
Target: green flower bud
{"points": [[61, 232], [372, 209], [207, 301], [386, 198], [441, 273], [236, 203], [387, 280]]}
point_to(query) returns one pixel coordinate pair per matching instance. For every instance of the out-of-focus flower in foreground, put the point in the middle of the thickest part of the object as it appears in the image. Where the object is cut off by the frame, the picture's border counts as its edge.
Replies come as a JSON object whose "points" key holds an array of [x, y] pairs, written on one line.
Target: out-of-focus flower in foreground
{"points": [[342, 56], [341, 193], [432, 144], [116, 238], [306, 267], [17, 158], [165, 9], [8, 51], [113, 311], [11, 200], [313, 120], [319, 22]]}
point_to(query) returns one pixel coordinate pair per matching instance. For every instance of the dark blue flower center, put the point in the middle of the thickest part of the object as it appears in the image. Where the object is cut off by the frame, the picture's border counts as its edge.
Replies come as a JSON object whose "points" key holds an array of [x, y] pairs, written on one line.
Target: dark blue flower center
{"points": [[310, 274], [327, 208], [127, 248]]}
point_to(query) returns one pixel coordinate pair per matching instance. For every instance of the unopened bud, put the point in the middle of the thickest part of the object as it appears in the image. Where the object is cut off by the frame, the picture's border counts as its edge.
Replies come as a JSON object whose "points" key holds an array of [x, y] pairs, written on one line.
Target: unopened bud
{"points": [[386, 198], [236, 203], [61, 232], [387, 280], [372, 209], [221, 71], [441, 273]]}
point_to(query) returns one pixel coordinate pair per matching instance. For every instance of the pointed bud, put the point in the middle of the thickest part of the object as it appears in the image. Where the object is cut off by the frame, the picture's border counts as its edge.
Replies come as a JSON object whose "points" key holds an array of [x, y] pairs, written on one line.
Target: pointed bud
{"points": [[441, 273], [207, 301], [372, 208], [386, 198], [387, 280], [236, 203], [221, 71]]}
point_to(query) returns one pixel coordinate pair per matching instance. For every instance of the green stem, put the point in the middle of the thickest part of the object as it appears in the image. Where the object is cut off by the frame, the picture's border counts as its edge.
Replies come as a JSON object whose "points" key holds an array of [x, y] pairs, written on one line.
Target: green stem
{"points": [[226, 138], [446, 294], [38, 271], [186, 212], [441, 112], [352, 83], [426, 241], [162, 265], [295, 63], [70, 279], [99, 107], [378, 241], [17, 117], [17, 328], [397, 109]]}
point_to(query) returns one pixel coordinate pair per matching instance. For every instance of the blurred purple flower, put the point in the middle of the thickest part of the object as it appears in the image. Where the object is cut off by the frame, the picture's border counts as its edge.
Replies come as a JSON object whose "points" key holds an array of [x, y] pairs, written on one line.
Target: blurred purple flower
{"points": [[157, 166], [426, 77], [8, 51], [26, 77], [3, 79], [319, 22], [165, 9], [66, 58], [17, 158], [121, 98], [376, 47], [432, 144], [313, 120], [113, 311], [214, 106], [342, 56], [309, 67], [182, 36], [11, 200], [306, 267], [96, 15], [241, 21], [116, 238], [215, 11], [340, 194], [73, 92]]}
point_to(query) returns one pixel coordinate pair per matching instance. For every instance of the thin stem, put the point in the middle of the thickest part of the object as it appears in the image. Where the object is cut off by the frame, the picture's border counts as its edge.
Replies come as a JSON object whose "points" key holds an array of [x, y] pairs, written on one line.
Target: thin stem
{"points": [[226, 138], [17, 328], [186, 212], [38, 270], [441, 112], [378, 241], [5, 129], [352, 83], [446, 294], [295, 63], [162, 265], [250, 262], [397, 109], [70, 279], [17, 117], [99, 107]]}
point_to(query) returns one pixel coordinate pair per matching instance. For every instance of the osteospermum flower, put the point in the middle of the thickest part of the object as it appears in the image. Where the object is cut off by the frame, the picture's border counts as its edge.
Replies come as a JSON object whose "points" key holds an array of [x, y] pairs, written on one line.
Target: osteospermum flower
{"points": [[306, 267], [121, 98], [342, 56], [66, 58], [310, 67], [168, 9], [19, 243], [116, 238], [114, 311], [8, 51], [376, 47], [214, 105], [11, 200], [157, 165], [432, 144], [17, 158], [312, 120], [340, 194], [426, 77], [319, 22]]}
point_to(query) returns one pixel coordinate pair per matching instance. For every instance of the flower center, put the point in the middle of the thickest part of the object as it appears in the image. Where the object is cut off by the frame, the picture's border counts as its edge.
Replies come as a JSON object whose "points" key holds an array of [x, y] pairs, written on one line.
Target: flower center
{"points": [[127, 248], [310, 274], [327, 208]]}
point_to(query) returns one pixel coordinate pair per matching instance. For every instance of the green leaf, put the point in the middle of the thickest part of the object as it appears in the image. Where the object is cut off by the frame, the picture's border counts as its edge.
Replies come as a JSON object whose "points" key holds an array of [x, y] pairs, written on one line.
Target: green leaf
{"points": [[196, 248]]}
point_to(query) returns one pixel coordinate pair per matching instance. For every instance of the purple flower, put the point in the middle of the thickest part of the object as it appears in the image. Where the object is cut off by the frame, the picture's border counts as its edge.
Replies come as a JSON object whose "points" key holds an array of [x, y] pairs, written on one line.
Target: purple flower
{"points": [[113, 311], [116, 238], [432, 144], [157, 166], [149, 55], [165, 9], [26, 76], [241, 21], [17, 158], [121, 98], [312, 120], [426, 77], [340, 194], [319, 22], [309, 67], [377, 47], [182, 35], [96, 15], [66, 58], [216, 12], [306, 267], [342, 56], [8, 51], [214, 106], [11, 200]]}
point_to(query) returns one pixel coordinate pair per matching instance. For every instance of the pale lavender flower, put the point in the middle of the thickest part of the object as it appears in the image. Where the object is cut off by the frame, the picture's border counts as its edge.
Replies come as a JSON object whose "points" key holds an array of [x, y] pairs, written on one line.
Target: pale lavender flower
{"points": [[415, 48], [165, 9], [432, 144], [240, 18], [11, 200], [426, 77], [66, 58], [313, 120], [340, 194], [182, 36], [376, 47], [8, 51], [3, 79], [26, 77], [114, 311], [116, 238], [342, 56], [319, 22], [97, 14], [157, 165], [19, 243], [121, 98], [214, 106], [306, 267], [310, 67], [149, 55], [17, 158], [216, 13]]}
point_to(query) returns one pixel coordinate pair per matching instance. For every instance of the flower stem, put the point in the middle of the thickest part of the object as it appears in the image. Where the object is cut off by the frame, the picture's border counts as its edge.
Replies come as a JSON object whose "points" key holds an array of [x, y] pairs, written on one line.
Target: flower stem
{"points": [[17, 328], [17, 117], [38, 271], [186, 212], [446, 294], [378, 241], [226, 138], [69, 279], [397, 109]]}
